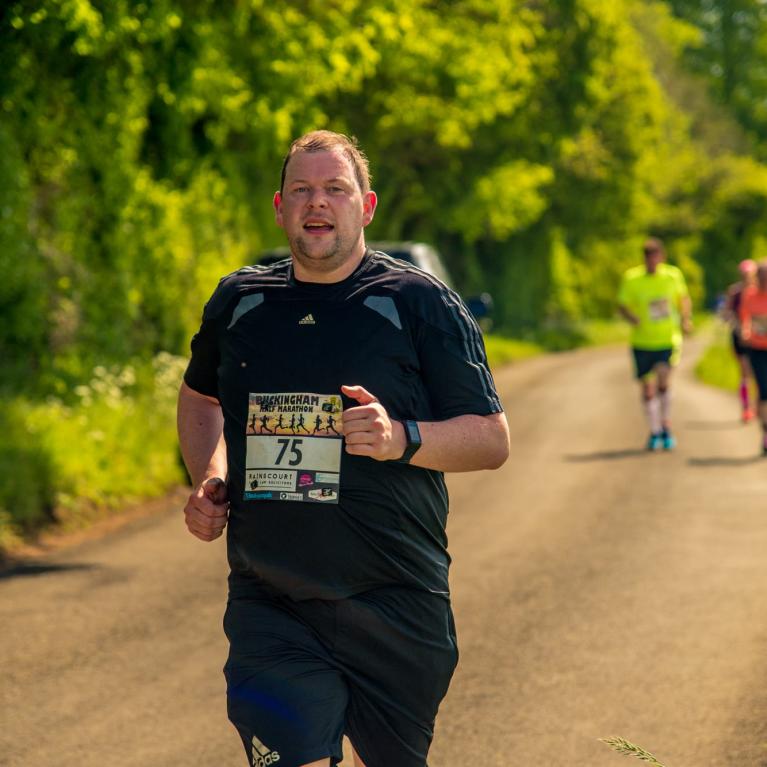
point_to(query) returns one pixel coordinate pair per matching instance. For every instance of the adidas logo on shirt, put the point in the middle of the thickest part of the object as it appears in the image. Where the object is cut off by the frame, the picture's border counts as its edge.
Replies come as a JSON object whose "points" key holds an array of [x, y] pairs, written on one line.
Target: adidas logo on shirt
{"points": [[308, 320], [263, 755]]}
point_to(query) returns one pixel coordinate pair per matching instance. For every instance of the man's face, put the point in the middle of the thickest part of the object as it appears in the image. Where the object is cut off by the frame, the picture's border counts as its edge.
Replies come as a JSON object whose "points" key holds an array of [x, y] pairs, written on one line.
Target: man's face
{"points": [[652, 257], [323, 211]]}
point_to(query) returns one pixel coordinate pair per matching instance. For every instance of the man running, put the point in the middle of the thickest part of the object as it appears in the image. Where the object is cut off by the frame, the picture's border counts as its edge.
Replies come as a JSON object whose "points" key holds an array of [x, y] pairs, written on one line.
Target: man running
{"points": [[731, 313], [339, 617], [753, 325], [654, 299]]}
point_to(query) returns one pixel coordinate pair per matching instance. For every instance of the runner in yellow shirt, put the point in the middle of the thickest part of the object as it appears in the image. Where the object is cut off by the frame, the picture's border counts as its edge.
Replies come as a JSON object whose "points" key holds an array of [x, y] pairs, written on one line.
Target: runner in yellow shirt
{"points": [[654, 300]]}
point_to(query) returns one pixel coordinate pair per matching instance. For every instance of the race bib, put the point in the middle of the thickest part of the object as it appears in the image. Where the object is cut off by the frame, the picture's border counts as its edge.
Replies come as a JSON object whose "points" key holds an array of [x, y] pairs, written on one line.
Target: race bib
{"points": [[759, 325], [294, 443], [659, 309]]}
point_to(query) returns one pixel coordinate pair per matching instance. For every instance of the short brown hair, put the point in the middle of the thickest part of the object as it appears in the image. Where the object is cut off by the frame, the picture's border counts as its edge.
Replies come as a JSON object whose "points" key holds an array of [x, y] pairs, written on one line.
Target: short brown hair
{"points": [[327, 141]]}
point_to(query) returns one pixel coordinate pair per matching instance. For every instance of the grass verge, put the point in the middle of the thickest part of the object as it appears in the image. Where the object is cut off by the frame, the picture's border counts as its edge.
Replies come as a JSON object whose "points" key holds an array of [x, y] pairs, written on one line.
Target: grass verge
{"points": [[71, 461], [502, 349], [717, 365]]}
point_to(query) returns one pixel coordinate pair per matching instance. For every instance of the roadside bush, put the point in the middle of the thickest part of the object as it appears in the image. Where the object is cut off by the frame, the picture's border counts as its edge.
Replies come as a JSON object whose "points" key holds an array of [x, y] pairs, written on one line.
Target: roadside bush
{"points": [[27, 480], [109, 441]]}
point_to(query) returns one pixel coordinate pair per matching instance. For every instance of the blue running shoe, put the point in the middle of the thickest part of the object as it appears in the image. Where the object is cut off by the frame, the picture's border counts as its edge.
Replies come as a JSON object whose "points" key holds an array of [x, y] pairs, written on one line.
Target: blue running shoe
{"points": [[669, 443], [655, 442]]}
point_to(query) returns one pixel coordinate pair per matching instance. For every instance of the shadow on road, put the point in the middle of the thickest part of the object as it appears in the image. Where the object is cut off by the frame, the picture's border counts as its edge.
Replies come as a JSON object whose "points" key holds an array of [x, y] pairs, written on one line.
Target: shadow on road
{"points": [[726, 460], [606, 455], [730, 423], [27, 569]]}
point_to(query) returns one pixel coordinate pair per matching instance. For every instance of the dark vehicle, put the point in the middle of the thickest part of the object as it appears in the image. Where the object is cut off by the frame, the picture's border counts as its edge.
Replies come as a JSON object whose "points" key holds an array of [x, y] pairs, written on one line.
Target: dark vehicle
{"points": [[419, 254], [428, 258]]}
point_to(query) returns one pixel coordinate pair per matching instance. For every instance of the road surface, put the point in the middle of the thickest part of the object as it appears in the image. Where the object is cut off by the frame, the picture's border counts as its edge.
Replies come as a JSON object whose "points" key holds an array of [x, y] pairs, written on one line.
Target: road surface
{"points": [[598, 591]]}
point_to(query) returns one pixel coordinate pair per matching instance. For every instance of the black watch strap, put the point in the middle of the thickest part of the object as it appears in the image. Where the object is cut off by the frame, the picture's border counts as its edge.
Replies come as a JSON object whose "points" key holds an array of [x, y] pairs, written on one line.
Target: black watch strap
{"points": [[413, 436]]}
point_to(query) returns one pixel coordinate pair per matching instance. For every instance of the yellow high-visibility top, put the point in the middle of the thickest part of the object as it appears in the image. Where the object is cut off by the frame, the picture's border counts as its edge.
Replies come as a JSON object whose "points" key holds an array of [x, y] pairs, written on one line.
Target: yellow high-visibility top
{"points": [[655, 299]]}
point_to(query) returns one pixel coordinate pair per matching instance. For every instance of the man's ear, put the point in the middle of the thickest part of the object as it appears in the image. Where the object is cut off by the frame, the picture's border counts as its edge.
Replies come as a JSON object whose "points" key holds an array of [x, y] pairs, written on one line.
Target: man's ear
{"points": [[369, 202], [277, 202]]}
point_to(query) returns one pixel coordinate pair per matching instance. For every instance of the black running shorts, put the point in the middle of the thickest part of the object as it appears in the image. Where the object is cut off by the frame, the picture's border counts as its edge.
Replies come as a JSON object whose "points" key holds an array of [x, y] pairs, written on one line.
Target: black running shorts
{"points": [[300, 675], [740, 349], [645, 360], [758, 358]]}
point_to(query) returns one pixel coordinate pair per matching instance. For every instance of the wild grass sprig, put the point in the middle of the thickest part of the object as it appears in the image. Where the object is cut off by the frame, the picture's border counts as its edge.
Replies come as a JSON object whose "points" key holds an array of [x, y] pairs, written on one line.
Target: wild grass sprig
{"points": [[623, 746]]}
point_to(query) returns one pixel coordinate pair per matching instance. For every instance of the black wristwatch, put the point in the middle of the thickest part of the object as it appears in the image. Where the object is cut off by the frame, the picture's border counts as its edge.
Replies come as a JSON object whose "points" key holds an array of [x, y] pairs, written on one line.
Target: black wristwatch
{"points": [[413, 436]]}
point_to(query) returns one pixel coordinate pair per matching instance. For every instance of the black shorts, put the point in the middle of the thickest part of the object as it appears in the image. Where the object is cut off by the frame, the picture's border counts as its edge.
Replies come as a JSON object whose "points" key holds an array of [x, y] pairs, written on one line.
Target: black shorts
{"points": [[645, 360], [738, 346], [300, 675], [758, 358]]}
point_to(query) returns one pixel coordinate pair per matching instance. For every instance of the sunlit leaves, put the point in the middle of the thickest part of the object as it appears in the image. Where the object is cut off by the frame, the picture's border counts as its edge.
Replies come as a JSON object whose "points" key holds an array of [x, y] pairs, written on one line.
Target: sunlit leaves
{"points": [[508, 199], [149, 137]]}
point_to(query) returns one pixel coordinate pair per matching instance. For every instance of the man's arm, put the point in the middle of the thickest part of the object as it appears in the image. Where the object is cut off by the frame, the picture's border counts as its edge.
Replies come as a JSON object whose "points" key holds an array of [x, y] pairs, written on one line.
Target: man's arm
{"points": [[685, 311], [462, 443], [624, 298], [200, 433], [627, 314], [727, 311]]}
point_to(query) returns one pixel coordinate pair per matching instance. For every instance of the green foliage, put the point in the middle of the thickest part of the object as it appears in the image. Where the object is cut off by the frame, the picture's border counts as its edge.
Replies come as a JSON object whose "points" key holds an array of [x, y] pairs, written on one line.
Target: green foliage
{"points": [[509, 198], [501, 350], [27, 484], [717, 365], [114, 441], [22, 289], [536, 144], [736, 219], [148, 139], [730, 51]]}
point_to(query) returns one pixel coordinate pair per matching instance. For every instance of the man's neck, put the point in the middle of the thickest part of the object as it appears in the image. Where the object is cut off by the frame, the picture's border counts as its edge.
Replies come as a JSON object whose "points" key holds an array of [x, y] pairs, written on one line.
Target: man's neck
{"points": [[338, 274]]}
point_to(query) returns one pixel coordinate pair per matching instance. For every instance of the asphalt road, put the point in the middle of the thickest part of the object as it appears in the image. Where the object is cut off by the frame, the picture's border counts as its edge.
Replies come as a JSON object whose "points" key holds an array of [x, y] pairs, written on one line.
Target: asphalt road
{"points": [[598, 591]]}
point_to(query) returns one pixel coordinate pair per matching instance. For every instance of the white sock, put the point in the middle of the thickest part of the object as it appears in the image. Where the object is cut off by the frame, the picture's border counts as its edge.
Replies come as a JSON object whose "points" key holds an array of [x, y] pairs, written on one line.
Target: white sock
{"points": [[652, 411], [664, 397]]}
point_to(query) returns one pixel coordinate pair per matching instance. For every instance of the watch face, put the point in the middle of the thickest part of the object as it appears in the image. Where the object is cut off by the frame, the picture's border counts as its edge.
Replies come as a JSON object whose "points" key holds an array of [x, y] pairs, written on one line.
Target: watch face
{"points": [[413, 434]]}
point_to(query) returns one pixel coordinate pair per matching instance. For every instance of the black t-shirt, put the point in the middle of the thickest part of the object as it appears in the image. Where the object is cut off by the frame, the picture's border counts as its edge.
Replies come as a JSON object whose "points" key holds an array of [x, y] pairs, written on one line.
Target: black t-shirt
{"points": [[404, 336]]}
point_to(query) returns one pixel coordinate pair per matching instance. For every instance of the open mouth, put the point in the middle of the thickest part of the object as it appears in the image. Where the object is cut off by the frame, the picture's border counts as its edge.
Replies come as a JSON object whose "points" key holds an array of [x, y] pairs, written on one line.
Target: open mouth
{"points": [[318, 227]]}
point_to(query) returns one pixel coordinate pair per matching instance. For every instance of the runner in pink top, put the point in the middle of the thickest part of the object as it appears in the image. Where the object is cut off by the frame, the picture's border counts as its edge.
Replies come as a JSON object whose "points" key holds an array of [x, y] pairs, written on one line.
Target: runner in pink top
{"points": [[753, 324], [731, 313]]}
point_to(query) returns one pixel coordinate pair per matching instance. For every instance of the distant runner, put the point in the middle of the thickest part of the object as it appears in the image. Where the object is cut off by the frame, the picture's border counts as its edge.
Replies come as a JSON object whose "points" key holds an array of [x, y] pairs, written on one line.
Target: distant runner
{"points": [[655, 301], [753, 331], [731, 312]]}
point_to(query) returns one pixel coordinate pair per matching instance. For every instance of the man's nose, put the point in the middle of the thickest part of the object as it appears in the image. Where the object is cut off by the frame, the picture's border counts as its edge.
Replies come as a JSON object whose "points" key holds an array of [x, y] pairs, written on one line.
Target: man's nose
{"points": [[317, 199]]}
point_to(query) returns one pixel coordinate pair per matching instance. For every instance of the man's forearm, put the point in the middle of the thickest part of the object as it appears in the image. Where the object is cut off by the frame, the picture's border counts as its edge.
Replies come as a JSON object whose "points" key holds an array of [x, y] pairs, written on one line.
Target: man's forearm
{"points": [[627, 314], [200, 434], [463, 443], [686, 309]]}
